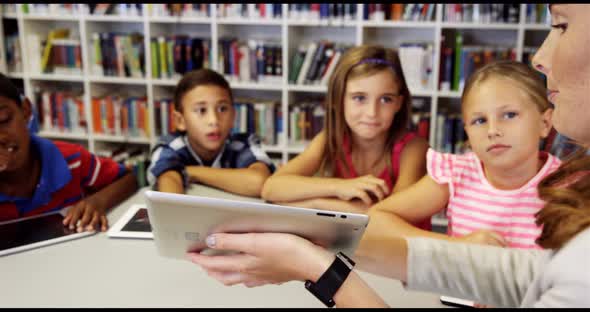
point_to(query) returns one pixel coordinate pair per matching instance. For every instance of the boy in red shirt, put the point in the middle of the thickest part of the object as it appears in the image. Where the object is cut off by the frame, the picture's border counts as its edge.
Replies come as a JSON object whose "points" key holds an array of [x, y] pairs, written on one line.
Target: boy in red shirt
{"points": [[38, 175]]}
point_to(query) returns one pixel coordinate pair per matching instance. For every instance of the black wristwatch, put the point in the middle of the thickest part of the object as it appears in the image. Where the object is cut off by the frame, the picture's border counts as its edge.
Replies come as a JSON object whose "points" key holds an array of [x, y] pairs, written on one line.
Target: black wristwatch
{"points": [[329, 283]]}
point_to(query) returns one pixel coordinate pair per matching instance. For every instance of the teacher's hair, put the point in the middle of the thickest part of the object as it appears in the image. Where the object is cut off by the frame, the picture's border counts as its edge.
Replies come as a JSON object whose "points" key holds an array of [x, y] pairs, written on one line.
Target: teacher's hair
{"points": [[567, 196]]}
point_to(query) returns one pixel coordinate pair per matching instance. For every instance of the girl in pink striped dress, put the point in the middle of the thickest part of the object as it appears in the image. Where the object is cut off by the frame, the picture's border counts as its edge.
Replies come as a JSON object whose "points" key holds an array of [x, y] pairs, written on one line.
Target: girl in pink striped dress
{"points": [[490, 194]]}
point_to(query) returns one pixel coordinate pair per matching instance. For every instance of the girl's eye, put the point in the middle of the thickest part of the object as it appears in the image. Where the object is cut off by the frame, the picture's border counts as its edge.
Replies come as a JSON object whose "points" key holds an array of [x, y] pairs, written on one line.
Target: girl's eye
{"points": [[201, 110], [387, 99], [510, 115], [562, 26], [478, 121], [358, 98], [222, 109]]}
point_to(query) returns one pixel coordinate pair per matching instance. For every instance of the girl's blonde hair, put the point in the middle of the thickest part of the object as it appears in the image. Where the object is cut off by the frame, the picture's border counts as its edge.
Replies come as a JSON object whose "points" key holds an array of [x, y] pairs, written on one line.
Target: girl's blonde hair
{"points": [[519, 73], [567, 196], [357, 62]]}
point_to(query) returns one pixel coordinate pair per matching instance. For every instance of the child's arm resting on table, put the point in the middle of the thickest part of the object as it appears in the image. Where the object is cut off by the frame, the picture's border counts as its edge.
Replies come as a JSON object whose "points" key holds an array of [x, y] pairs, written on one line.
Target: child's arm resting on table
{"points": [[243, 181], [412, 164], [395, 215], [295, 181], [170, 182], [91, 210]]}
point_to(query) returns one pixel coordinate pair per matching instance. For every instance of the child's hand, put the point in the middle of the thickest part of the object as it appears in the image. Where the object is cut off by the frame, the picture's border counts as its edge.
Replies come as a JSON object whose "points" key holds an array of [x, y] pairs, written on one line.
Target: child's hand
{"points": [[90, 214], [362, 188], [485, 237]]}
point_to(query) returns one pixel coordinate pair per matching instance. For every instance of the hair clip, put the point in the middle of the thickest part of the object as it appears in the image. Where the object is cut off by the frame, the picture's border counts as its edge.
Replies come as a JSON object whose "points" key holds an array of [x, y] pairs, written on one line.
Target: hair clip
{"points": [[375, 61]]}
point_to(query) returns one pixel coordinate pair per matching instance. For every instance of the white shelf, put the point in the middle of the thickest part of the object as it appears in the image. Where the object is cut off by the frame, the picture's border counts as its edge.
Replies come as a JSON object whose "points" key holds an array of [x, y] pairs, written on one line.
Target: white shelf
{"points": [[113, 18], [248, 21], [439, 221], [63, 135], [272, 148], [164, 82], [296, 147], [308, 88], [121, 139], [321, 23], [51, 17], [10, 15], [399, 24], [480, 26], [55, 77], [180, 19], [17, 75], [450, 94], [537, 27], [255, 86], [118, 80], [421, 92]]}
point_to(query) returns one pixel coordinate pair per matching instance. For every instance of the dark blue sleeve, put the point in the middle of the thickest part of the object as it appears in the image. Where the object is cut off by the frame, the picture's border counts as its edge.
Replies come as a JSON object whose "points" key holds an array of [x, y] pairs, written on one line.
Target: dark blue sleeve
{"points": [[165, 159], [253, 153]]}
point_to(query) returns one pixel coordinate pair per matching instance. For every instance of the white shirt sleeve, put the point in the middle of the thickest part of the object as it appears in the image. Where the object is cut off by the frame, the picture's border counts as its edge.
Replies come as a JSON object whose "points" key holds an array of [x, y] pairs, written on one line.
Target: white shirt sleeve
{"points": [[486, 274]]}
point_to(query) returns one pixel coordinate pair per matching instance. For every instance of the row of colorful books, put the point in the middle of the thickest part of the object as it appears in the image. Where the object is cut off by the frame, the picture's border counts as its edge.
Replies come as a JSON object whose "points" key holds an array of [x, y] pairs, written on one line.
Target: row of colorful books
{"points": [[120, 116], [450, 134], [250, 10], [399, 12], [263, 117], [118, 54], [323, 12], [180, 9], [252, 60], [538, 13], [458, 61], [59, 111], [134, 158], [172, 56], [57, 53], [122, 9], [164, 117], [306, 120], [421, 124], [52, 8], [481, 13], [314, 62], [14, 62]]}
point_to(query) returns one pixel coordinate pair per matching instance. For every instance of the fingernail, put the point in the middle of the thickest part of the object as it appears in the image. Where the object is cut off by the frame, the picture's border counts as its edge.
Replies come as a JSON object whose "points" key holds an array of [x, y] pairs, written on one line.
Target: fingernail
{"points": [[210, 241]]}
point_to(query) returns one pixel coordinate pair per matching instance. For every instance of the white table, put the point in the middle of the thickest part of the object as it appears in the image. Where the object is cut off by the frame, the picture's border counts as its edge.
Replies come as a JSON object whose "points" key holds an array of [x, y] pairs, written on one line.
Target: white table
{"points": [[98, 271]]}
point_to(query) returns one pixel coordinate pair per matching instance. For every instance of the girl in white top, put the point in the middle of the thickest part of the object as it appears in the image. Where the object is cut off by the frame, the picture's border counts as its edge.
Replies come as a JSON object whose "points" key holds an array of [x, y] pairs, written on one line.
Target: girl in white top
{"points": [[504, 277]]}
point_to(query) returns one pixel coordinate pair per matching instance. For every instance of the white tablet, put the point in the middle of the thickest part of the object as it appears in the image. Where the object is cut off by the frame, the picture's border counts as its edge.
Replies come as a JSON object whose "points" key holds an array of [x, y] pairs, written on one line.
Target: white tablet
{"points": [[133, 224], [181, 223], [36, 231]]}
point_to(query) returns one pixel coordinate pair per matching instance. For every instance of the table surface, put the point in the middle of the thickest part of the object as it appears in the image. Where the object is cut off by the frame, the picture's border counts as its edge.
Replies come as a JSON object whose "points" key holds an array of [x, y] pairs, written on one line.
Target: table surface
{"points": [[98, 271]]}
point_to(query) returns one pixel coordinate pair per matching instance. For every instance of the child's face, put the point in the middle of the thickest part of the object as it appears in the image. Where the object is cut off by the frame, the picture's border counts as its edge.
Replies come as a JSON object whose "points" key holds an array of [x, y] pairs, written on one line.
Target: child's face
{"points": [[207, 117], [503, 124], [370, 104], [14, 134]]}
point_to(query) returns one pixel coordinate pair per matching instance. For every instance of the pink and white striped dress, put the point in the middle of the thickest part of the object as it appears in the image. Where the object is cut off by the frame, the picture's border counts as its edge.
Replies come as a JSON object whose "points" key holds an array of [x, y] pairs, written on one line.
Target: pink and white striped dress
{"points": [[474, 204]]}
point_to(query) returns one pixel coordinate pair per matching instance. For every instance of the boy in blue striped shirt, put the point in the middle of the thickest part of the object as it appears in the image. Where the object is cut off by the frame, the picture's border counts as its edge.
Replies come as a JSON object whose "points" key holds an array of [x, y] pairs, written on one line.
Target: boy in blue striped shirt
{"points": [[202, 150]]}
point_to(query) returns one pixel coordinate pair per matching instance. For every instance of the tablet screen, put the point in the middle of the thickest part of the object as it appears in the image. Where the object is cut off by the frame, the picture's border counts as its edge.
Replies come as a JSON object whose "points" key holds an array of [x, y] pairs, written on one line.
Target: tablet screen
{"points": [[29, 231], [139, 222]]}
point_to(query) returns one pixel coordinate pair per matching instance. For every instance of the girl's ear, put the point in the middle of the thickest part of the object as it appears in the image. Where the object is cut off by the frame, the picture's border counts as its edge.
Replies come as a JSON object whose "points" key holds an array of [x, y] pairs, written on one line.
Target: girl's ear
{"points": [[546, 122], [179, 120]]}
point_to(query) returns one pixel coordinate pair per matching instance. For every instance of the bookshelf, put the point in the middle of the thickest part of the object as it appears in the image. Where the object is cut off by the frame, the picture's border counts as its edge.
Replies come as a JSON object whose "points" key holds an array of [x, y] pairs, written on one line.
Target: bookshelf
{"points": [[287, 31]]}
